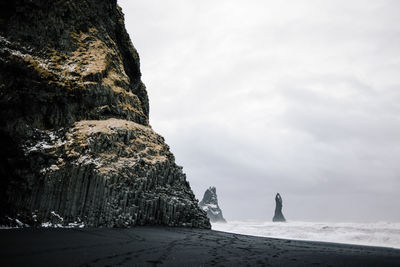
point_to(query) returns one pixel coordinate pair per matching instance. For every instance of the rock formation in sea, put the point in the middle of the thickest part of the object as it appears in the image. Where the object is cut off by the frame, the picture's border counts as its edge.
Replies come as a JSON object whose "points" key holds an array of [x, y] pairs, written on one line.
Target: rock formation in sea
{"points": [[75, 140], [210, 205], [278, 216]]}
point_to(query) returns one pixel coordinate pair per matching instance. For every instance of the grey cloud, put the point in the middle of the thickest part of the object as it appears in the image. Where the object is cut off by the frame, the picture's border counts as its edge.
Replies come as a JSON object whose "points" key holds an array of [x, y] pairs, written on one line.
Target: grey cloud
{"points": [[296, 97]]}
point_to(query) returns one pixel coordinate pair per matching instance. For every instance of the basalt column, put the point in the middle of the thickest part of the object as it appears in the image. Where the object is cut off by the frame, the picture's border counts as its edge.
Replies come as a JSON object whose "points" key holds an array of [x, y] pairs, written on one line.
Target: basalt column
{"points": [[76, 145]]}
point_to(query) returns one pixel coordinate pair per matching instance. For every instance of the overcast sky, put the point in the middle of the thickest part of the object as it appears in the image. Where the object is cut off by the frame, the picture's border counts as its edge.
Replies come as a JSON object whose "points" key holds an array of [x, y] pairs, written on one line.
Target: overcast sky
{"points": [[297, 97]]}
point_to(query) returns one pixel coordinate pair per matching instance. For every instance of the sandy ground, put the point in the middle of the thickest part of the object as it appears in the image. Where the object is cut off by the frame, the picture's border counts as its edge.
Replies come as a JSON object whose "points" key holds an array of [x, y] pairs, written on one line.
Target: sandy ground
{"points": [[163, 246]]}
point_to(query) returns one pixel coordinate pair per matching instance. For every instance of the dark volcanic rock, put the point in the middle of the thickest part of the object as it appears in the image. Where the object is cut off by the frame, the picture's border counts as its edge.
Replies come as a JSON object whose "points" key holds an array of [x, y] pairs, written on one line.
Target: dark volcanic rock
{"points": [[278, 216], [76, 145], [210, 205]]}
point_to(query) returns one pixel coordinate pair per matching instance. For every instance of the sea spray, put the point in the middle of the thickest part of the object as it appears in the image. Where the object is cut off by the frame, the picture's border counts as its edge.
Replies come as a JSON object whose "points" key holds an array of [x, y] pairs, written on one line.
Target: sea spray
{"points": [[385, 234]]}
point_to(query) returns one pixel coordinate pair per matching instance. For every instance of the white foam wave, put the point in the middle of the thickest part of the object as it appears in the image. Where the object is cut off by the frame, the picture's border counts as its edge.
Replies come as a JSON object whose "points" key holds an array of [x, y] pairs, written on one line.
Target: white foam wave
{"points": [[385, 234]]}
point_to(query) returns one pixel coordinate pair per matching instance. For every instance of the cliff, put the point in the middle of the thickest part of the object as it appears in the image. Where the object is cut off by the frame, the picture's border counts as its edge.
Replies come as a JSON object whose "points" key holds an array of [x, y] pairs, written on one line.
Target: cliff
{"points": [[209, 204], [75, 138]]}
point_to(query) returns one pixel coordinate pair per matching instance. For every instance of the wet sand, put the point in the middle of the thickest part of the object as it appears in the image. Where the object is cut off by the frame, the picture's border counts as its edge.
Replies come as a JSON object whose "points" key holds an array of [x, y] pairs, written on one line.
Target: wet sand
{"points": [[164, 246]]}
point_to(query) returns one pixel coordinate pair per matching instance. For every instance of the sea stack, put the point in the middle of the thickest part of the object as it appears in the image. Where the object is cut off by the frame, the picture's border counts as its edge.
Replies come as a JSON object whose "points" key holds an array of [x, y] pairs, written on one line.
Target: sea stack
{"points": [[278, 216], [210, 205], [75, 138]]}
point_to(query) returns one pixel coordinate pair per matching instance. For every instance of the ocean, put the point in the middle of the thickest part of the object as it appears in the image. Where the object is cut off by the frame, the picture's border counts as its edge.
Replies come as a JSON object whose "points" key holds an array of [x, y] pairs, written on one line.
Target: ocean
{"points": [[384, 234]]}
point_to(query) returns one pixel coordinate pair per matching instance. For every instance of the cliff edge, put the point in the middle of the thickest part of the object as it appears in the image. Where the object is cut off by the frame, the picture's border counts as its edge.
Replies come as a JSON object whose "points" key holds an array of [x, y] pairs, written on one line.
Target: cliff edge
{"points": [[76, 144]]}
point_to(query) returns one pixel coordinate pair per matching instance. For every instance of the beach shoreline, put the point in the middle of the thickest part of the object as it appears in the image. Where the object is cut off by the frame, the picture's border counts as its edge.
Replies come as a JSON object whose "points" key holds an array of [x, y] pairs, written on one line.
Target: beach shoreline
{"points": [[169, 246], [377, 234]]}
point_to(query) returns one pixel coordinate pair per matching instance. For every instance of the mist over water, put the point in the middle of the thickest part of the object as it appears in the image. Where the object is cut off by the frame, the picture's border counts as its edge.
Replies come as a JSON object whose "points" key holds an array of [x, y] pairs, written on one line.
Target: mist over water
{"points": [[385, 234]]}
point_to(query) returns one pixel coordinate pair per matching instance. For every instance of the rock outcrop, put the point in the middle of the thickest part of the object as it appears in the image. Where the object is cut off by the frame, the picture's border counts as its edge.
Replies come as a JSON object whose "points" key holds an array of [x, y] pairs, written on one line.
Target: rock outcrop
{"points": [[75, 138], [210, 205], [278, 216]]}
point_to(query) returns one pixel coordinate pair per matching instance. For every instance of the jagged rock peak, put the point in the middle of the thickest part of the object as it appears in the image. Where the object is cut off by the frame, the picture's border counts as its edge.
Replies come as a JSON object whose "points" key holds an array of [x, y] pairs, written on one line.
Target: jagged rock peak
{"points": [[76, 143], [210, 205]]}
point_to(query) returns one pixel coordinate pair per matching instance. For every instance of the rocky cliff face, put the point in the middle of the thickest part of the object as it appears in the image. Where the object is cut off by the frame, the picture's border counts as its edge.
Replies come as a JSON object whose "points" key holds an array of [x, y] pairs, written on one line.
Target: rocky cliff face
{"points": [[210, 205], [74, 130]]}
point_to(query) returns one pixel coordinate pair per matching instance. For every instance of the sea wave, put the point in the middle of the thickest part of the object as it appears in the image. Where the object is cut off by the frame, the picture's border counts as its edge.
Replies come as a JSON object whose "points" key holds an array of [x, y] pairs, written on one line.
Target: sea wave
{"points": [[384, 234]]}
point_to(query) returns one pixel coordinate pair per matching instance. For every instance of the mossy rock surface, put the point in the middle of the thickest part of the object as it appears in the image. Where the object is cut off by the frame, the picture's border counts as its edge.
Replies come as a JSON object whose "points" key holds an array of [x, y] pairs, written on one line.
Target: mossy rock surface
{"points": [[75, 135]]}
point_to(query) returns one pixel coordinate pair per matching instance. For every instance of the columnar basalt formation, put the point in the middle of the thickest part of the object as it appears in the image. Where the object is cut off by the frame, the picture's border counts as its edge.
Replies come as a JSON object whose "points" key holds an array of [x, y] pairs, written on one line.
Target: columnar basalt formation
{"points": [[278, 216], [209, 204], [75, 138]]}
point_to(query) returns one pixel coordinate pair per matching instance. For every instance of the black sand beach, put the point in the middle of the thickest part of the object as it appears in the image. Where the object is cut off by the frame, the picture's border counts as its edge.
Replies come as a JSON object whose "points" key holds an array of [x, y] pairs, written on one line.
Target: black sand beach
{"points": [[164, 246]]}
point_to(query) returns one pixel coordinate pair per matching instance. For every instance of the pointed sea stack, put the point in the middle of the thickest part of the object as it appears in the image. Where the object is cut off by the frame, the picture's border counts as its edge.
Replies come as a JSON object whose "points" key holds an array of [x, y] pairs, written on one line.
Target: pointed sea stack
{"points": [[75, 139], [210, 205], [278, 216]]}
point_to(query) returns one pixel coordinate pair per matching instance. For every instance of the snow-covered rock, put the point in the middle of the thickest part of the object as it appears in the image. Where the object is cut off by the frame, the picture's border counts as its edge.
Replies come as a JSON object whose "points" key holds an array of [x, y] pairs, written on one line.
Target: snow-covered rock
{"points": [[210, 205]]}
